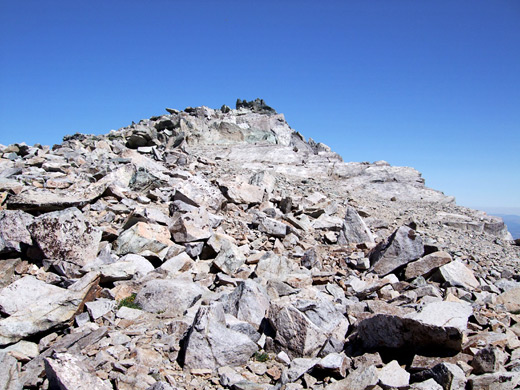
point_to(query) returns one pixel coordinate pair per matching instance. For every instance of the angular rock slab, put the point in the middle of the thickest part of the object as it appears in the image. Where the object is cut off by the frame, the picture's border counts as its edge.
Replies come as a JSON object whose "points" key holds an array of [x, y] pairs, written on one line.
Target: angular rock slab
{"points": [[192, 226], [354, 229], [45, 200], [427, 264], [510, 299], [66, 372], [210, 344], [67, 237], [173, 296], [458, 275], [242, 193], [27, 291], [438, 327], [230, 258], [303, 327], [248, 302], [402, 247], [35, 317], [393, 376], [13, 230], [144, 239]]}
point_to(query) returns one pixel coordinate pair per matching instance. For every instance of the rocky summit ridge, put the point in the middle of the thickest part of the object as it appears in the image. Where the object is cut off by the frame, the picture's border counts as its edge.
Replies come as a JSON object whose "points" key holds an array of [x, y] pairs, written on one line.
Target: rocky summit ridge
{"points": [[218, 248]]}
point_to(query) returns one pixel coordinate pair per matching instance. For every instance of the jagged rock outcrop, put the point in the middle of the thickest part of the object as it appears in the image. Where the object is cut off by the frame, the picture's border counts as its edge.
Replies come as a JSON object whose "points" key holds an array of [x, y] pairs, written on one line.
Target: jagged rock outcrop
{"points": [[219, 248]]}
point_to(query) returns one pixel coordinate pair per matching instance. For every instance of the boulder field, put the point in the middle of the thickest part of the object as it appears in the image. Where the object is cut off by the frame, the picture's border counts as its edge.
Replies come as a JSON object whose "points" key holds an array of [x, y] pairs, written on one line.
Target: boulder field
{"points": [[218, 248]]}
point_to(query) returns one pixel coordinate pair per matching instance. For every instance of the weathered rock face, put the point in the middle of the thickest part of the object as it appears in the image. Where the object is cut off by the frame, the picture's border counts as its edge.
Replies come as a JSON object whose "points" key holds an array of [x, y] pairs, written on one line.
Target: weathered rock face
{"points": [[31, 316], [211, 344], [438, 326], [13, 231], [67, 237], [218, 248]]}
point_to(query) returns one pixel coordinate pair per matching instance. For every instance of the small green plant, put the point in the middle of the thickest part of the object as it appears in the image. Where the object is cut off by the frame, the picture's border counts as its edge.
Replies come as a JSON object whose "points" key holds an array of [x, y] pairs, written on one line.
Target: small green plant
{"points": [[261, 356], [129, 302]]}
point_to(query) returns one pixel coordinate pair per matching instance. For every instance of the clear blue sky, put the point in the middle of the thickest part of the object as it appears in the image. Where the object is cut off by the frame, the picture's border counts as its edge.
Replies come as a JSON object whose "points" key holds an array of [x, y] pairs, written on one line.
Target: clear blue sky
{"points": [[429, 84]]}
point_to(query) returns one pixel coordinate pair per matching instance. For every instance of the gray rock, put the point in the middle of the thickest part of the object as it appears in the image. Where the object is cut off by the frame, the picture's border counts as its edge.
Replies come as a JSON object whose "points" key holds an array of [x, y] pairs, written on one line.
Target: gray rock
{"points": [[210, 344], [160, 385], [241, 192], [354, 229], [66, 372], [364, 378], [13, 230], [248, 302], [178, 264], [271, 226], [67, 237], [23, 350], [9, 373], [271, 266], [35, 318], [311, 259], [458, 275], [393, 376], [402, 247], [297, 368], [26, 292], [438, 327], [198, 191], [99, 307], [495, 381], [7, 271], [158, 296], [429, 384], [144, 239], [335, 364], [192, 226], [510, 299], [449, 376], [487, 360], [229, 258], [228, 376], [304, 326], [426, 265]]}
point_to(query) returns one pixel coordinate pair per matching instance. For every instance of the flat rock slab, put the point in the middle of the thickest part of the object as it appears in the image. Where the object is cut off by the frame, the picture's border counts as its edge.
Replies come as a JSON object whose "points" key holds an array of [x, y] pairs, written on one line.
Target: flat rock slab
{"points": [[28, 291], [10, 378], [172, 296], [438, 327], [35, 318], [427, 264]]}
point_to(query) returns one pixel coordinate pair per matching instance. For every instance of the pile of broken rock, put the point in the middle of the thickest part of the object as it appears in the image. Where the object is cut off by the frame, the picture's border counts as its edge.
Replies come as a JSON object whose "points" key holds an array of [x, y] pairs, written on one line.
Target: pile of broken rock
{"points": [[219, 249]]}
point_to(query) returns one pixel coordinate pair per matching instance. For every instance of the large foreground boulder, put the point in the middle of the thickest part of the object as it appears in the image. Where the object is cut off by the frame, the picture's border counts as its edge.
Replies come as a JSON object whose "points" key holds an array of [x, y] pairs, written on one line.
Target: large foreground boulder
{"points": [[66, 237], [34, 317]]}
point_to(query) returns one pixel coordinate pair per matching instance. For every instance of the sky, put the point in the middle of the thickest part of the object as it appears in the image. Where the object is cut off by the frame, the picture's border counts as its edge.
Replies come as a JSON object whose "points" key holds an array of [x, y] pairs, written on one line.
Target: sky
{"points": [[430, 84]]}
